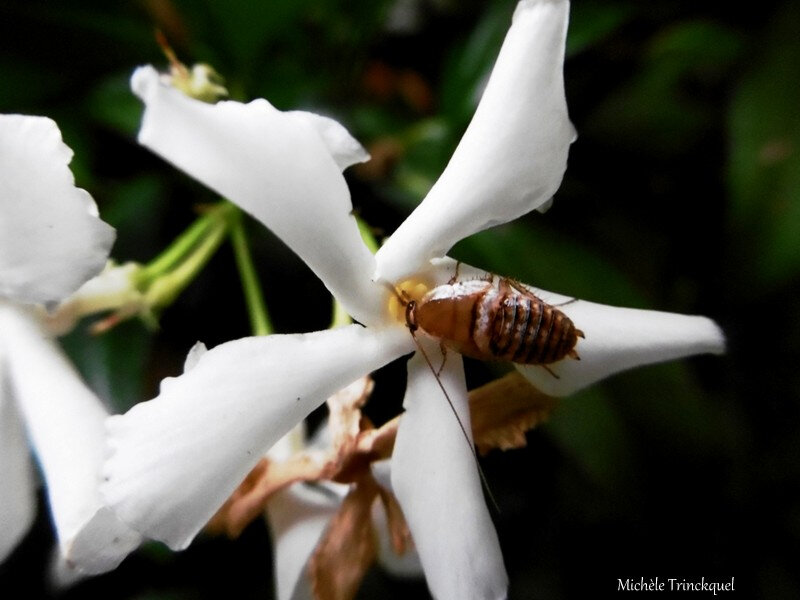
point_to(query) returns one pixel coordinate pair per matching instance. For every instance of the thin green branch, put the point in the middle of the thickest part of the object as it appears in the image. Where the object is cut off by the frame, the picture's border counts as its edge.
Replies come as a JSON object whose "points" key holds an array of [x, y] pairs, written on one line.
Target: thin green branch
{"points": [[256, 307], [183, 245], [166, 288]]}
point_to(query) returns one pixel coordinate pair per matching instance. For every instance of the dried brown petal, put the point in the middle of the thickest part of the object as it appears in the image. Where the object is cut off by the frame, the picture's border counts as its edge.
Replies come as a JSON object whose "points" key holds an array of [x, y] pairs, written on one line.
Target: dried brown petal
{"points": [[345, 462], [248, 500], [379, 443], [344, 407], [503, 410], [395, 521], [348, 547]]}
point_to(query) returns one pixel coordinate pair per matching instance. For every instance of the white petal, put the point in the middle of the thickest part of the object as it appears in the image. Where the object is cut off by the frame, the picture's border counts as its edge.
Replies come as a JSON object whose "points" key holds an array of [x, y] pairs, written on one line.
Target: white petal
{"points": [[194, 355], [298, 516], [436, 482], [61, 575], [51, 239], [513, 155], [17, 498], [618, 339], [177, 458], [113, 289], [294, 441], [276, 167], [343, 147], [65, 421]]}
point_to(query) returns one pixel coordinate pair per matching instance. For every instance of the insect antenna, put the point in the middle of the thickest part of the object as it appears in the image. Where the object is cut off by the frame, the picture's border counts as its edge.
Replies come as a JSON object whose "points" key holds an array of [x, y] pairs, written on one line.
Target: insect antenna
{"points": [[484, 481], [410, 306]]}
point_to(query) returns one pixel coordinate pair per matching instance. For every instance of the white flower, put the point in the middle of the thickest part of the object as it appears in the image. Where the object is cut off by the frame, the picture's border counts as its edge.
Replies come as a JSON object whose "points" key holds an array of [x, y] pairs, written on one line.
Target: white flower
{"points": [[178, 457], [51, 241], [113, 289], [327, 535]]}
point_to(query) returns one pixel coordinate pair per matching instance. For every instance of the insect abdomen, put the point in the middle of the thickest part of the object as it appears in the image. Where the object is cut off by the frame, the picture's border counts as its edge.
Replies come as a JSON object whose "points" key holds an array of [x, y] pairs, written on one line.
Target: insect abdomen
{"points": [[498, 320], [525, 329]]}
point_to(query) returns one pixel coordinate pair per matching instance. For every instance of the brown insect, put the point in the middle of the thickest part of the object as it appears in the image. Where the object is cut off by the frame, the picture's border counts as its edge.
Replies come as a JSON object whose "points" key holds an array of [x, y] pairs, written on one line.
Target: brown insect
{"points": [[495, 319]]}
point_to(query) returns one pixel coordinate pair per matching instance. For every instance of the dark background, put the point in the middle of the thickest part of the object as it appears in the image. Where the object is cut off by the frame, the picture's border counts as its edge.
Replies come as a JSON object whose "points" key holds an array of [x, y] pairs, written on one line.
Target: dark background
{"points": [[682, 194]]}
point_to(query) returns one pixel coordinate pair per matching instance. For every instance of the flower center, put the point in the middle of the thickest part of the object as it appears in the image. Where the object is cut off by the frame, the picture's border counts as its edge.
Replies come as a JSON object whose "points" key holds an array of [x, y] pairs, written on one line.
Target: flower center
{"points": [[410, 289]]}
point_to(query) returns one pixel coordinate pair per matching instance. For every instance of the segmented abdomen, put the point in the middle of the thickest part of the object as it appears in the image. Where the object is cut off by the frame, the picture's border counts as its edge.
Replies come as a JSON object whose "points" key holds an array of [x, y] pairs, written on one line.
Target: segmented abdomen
{"points": [[497, 319], [523, 328]]}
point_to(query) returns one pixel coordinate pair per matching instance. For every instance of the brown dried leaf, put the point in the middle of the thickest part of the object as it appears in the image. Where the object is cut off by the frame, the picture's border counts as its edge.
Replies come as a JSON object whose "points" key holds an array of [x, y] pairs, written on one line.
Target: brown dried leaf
{"points": [[503, 410], [248, 500], [344, 407], [348, 547], [378, 444], [355, 445], [395, 521]]}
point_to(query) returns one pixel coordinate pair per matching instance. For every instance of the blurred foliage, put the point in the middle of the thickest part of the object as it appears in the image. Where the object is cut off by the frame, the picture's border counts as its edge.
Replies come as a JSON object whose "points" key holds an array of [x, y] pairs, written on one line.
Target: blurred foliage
{"points": [[682, 194], [764, 167]]}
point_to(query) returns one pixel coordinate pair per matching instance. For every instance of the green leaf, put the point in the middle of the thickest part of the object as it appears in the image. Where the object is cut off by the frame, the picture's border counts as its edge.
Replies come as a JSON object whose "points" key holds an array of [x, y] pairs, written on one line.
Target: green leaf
{"points": [[26, 82], [591, 23], [113, 104], [428, 146], [113, 364], [234, 21], [764, 165], [590, 430], [469, 65], [539, 257], [123, 206], [667, 407], [665, 102]]}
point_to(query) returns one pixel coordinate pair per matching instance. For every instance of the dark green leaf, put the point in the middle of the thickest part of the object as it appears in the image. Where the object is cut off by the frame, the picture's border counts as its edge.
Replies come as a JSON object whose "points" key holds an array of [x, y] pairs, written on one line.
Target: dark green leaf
{"points": [[665, 102], [538, 257], [764, 167], [590, 430], [468, 67], [113, 104], [113, 364], [591, 23]]}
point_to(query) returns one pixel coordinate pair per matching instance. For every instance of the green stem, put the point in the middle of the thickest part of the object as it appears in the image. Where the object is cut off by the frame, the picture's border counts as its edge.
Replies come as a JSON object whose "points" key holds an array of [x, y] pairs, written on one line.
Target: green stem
{"points": [[340, 316], [367, 235], [256, 307], [166, 288], [183, 245]]}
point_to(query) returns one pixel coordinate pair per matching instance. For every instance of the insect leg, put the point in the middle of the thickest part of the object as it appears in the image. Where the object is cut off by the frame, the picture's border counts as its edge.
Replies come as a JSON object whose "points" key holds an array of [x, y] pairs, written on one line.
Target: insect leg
{"points": [[526, 291], [549, 370], [454, 278], [521, 288], [411, 316], [565, 302], [443, 350]]}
